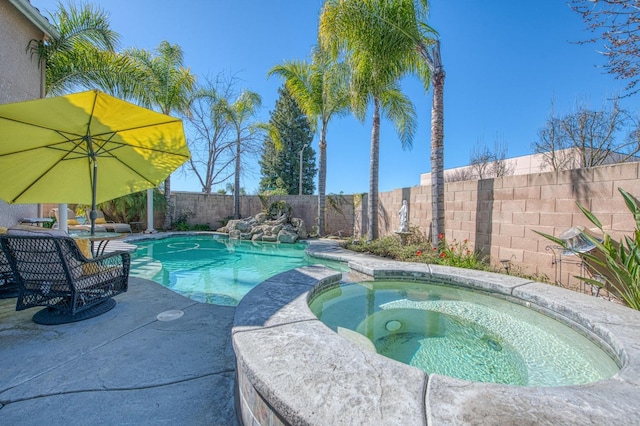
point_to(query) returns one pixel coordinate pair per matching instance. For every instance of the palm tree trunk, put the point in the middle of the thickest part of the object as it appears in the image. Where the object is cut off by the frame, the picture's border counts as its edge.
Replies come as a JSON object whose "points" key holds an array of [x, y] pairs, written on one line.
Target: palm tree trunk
{"points": [[322, 179], [236, 183], [372, 232], [167, 199], [437, 156]]}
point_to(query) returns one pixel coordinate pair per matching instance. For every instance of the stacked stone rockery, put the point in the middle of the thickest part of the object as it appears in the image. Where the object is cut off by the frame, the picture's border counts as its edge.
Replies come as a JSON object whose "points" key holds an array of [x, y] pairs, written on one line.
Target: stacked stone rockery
{"points": [[277, 227]]}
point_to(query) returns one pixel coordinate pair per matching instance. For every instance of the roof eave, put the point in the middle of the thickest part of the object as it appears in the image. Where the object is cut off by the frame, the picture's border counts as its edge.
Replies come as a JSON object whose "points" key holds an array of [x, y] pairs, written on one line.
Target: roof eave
{"points": [[36, 18]]}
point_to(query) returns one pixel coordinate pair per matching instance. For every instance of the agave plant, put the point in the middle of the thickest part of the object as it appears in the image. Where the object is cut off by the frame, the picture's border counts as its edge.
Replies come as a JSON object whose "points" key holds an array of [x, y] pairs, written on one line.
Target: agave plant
{"points": [[615, 263]]}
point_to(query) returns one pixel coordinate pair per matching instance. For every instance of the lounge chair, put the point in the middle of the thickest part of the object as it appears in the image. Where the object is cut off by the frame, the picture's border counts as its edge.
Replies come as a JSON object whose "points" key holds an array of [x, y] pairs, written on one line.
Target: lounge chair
{"points": [[109, 225], [51, 271], [73, 224]]}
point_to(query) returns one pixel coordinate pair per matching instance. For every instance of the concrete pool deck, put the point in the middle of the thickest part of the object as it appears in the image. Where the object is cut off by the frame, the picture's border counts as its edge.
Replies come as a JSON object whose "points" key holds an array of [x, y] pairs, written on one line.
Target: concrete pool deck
{"points": [[124, 367], [292, 369]]}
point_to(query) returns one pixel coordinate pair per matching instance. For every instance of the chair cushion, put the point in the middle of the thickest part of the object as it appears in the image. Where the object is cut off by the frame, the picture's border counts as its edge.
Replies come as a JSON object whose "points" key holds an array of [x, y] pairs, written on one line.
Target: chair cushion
{"points": [[85, 247], [100, 220], [29, 230]]}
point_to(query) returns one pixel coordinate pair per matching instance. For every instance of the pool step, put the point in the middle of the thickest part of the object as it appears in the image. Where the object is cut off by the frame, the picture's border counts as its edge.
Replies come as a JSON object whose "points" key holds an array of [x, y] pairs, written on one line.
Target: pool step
{"points": [[144, 267]]}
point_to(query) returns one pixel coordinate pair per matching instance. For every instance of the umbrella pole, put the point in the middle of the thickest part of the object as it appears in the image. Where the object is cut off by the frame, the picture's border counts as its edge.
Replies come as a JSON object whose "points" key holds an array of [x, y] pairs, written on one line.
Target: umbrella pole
{"points": [[94, 214]]}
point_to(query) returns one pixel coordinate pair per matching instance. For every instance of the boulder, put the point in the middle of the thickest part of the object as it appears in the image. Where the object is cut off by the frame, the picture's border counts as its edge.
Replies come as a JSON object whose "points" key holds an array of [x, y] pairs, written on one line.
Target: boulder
{"points": [[287, 236], [261, 218], [243, 226], [269, 238], [298, 225], [275, 225]]}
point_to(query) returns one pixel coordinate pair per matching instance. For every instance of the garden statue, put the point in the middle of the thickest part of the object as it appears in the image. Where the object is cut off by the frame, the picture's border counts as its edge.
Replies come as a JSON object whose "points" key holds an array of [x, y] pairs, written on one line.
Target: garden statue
{"points": [[403, 217]]}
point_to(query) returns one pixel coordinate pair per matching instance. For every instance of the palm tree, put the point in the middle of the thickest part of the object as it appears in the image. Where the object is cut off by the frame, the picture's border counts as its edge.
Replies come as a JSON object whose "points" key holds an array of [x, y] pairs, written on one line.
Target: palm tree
{"points": [[432, 56], [320, 90], [377, 60], [408, 34], [238, 114], [167, 85], [84, 53]]}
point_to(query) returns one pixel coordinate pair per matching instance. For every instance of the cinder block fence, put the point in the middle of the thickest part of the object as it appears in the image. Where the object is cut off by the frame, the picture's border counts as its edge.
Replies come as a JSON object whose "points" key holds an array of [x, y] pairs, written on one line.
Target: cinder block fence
{"points": [[497, 217]]}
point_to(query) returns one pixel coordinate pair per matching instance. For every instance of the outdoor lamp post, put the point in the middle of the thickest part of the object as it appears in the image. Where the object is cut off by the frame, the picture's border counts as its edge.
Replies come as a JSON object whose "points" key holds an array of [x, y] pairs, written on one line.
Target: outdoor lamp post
{"points": [[300, 180]]}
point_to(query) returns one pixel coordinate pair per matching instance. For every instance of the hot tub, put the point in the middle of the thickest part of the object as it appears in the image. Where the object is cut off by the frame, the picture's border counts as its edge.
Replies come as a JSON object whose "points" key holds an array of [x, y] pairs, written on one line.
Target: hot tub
{"points": [[294, 369]]}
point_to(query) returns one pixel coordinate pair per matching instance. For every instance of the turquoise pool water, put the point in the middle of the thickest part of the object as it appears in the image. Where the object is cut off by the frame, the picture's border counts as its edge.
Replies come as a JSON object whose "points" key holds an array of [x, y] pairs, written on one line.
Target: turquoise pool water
{"points": [[213, 269], [461, 333]]}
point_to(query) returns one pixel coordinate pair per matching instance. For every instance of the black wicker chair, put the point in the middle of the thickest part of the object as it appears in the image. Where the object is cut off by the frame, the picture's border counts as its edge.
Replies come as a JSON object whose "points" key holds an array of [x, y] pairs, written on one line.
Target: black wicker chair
{"points": [[8, 288], [51, 271]]}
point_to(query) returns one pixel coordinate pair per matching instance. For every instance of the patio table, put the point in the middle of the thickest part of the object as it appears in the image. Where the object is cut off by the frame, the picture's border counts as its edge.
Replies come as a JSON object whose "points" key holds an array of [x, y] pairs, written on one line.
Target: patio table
{"points": [[99, 240]]}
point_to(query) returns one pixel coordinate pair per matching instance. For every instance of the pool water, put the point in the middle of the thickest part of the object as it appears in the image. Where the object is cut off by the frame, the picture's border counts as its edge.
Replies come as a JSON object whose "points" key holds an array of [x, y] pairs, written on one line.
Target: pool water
{"points": [[462, 333], [214, 269]]}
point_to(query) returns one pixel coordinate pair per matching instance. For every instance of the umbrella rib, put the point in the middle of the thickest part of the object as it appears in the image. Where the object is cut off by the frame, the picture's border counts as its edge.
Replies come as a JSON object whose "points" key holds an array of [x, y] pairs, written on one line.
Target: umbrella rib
{"points": [[131, 168], [30, 124], [68, 153], [33, 183], [52, 146], [143, 148], [154, 124]]}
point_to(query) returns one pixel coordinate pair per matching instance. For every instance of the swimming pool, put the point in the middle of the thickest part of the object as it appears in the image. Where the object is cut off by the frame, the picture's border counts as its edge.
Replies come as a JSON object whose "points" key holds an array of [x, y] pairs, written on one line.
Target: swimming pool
{"points": [[214, 269]]}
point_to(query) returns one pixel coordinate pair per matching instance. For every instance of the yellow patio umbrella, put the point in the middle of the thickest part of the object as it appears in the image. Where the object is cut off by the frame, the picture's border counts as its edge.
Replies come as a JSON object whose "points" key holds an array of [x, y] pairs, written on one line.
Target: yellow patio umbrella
{"points": [[51, 149]]}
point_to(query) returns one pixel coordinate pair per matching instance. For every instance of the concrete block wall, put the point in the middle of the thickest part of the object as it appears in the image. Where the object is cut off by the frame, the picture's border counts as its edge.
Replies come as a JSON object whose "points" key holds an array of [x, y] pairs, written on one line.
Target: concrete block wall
{"points": [[211, 209], [499, 216]]}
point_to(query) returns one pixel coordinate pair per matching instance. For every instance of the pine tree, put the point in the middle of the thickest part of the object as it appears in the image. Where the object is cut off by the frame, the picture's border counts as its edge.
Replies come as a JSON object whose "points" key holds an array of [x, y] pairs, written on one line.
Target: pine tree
{"points": [[280, 168]]}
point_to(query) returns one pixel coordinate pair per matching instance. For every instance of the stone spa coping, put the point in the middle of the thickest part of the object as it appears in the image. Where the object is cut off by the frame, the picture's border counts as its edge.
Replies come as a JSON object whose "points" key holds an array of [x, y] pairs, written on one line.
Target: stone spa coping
{"points": [[293, 369]]}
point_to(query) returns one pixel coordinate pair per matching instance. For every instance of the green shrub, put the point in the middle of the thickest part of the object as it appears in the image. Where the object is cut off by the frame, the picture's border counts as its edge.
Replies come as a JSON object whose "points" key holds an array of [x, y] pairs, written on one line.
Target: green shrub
{"points": [[49, 224], [265, 197], [418, 249], [278, 209], [181, 221], [201, 227]]}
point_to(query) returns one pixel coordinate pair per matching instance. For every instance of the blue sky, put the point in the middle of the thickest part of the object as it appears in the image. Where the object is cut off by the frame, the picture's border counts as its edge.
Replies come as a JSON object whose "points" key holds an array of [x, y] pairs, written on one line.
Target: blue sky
{"points": [[504, 61]]}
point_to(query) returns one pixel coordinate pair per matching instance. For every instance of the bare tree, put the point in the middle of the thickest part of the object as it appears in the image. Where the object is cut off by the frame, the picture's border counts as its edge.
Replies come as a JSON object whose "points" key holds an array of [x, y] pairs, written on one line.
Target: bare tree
{"points": [[210, 142], [488, 164], [459, 174], [552, 146], [592, 133], [615, 24], [480, 160], [500, 167], [588, 138]]}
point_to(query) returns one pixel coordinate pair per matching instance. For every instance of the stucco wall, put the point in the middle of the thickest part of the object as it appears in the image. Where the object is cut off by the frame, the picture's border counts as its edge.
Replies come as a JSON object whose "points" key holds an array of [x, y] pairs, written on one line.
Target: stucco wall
{"points": [[20, 79], [20, 76]]}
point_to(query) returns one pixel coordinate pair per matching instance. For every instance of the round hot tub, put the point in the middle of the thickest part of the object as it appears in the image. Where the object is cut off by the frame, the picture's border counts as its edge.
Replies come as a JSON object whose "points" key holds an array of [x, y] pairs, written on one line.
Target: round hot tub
{"points": [[293, 368], [462, 333]]}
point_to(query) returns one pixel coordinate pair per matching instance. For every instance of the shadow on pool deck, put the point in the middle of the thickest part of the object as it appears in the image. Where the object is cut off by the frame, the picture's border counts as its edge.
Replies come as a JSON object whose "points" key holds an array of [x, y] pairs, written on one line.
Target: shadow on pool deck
{"points": [[122, 367]]}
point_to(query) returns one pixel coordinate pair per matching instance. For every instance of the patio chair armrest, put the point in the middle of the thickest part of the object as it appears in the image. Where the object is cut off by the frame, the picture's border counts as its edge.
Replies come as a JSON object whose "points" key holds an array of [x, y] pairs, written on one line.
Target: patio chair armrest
{"points": [[117, 260]]}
